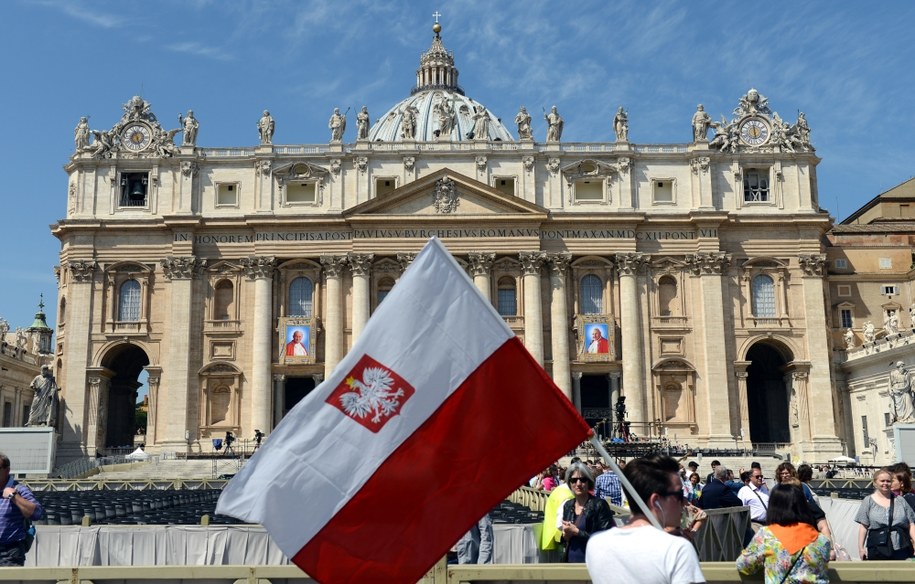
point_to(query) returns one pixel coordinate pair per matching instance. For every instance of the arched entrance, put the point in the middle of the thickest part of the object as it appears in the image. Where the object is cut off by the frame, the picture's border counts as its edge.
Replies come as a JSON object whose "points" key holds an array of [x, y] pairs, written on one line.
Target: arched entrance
{"points": [[119, 403], [767, 393]]}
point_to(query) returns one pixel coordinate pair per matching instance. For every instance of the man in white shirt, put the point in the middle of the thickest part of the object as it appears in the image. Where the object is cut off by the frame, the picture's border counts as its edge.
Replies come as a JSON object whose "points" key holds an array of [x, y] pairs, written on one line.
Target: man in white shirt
{"points": [[638, 551], [755, 495]]}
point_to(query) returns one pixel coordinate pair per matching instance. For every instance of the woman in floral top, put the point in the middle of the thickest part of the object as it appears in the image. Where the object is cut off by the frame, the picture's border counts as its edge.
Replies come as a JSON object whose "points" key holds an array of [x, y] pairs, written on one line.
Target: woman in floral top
{"points": [[789, 548]]}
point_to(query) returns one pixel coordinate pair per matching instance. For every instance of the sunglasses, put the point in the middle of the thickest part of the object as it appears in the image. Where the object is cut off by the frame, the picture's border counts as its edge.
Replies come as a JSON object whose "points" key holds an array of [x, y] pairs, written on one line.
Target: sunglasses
{"points": [[678, 494], [574, 480]]}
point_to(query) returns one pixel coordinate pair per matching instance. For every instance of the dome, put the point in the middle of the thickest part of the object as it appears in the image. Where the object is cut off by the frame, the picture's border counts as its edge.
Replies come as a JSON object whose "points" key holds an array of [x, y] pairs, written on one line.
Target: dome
{"points": [[439, 107]]}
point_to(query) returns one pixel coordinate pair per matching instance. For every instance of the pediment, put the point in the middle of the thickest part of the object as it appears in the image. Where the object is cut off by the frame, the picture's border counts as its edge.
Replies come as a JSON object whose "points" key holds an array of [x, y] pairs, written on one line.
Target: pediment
{"points": [[447, 194]]}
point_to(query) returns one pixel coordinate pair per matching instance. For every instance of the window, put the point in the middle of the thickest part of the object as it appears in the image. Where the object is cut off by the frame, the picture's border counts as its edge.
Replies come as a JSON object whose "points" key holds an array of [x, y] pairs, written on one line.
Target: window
{"points": [[867, 438], [886, 418], [888, 290], [763, 289], [756, 186], [301, 291], [300, 192], [845, 317], [226, 195], [384, 288], [589, 190], [506, 298], [886, 263], [667, 295], [663, 191], [223, 299], [129, 301], [841, 264], [7, 414], [505, 185], [134, 188], [592, 295], [384, 186], [843, 290]]}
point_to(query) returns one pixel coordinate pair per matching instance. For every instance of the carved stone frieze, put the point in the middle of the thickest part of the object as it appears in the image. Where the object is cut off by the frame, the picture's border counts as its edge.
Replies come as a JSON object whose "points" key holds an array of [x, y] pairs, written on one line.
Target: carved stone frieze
{"points": [[405, 259], [257, 267], [333, 265], [708, 263], [82, 270], [531, 262], [445, 196], [813, 264], [360, 263], [481, 262], [181, 267], [630, 264]]}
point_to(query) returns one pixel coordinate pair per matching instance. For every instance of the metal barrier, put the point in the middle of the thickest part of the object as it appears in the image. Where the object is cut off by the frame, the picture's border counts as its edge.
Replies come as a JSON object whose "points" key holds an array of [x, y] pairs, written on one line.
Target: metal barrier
{"points": [[39, 485]]}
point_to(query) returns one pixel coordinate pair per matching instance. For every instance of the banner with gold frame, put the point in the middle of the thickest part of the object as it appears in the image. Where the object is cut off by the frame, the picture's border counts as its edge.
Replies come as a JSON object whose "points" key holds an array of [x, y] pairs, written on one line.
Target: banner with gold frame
{"points": [[596, 338], [297, 340]]}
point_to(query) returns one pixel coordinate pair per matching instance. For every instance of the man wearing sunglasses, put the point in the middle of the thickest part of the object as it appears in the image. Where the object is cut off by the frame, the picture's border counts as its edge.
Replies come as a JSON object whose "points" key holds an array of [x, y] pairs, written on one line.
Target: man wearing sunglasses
{"points": [[755, 495], [638, 551]]}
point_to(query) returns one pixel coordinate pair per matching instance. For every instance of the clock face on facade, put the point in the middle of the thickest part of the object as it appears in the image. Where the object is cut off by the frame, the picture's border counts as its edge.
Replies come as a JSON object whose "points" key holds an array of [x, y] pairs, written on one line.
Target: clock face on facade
{"points": [[754, 132], [136, 137]]}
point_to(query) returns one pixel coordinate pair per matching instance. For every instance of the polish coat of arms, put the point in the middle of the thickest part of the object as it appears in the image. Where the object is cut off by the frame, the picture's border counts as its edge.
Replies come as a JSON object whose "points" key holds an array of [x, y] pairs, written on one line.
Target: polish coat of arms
{"points": [[371, 394]]}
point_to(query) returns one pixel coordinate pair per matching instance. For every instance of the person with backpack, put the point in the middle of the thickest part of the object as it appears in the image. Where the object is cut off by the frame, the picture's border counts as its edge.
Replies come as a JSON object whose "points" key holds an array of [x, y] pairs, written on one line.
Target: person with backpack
{"points": [[17, 505]]}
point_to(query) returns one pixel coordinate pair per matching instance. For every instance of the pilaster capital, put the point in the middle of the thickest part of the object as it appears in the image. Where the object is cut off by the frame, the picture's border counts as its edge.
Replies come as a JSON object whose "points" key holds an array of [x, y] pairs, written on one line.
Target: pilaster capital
{"points": [[153, 381], [360, 263], [531, 262], [279, 378], [576, 376], [405, 259], [630, 264], [259, 267], [813, 264], [189, 168], [481, 262], [559, 262], [263, 167], [700, 164], [94, 381], [708, 263], [333, 265], [181, 267], [82, 270]]}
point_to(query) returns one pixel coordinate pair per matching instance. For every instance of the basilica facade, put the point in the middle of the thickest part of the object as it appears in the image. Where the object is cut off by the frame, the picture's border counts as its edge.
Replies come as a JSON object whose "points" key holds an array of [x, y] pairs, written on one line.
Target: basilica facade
{"points": [[686, 277]]}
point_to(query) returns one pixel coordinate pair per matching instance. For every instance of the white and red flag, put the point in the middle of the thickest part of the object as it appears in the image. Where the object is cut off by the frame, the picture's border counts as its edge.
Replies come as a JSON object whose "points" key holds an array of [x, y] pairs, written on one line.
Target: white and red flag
{"points": [[436, 414]]}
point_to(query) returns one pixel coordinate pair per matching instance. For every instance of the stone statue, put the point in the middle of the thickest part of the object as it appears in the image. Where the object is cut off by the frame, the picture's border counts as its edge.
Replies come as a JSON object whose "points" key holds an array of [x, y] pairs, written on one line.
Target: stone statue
{"points": [[337, 125], [265, 127], [408, 124], [480, 123], [870, 333], [81, 134], [555, 122], [621, 125], [903, 407], [44, 405], [849, 339], [701, 123], [103, 143], [891, 323], [362, 124], [445, 111], [523, 119], [190, 125], [801, 131]]}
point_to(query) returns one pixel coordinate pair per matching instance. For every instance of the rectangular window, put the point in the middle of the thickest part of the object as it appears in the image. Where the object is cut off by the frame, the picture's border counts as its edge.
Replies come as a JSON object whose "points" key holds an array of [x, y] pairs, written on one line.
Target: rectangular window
{"points": [[663, 191], [226, 195], [7, 415], [505, 185], [506, 302], [384, 186], [888, 290], [886, 263], [299, 192], [843, 290], [845, 317], [589, 190], [867, 438], [134, 189], [756, 186], [841, 264]]}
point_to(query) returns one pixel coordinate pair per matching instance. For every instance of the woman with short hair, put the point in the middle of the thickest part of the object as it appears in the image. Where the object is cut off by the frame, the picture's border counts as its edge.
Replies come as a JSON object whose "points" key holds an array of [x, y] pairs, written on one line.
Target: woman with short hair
{"points": [[882, 535], [584, 514]]}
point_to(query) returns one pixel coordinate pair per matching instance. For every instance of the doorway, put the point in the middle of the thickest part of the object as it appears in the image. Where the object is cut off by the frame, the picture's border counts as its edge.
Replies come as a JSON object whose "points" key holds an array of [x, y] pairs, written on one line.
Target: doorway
{"points": [[767, 395]]}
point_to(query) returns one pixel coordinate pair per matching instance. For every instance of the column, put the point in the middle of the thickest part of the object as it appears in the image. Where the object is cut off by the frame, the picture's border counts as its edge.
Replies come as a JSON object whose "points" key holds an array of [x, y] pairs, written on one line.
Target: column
{"points": [[614, 377], [180, 400], [576, 390], [153, 376], [628, 266], [72, 379], [559, 320], [740, 371], [533, 309], [261, 269], [481, 268], [719, 389], [96, 409], [333, 321], [279, 398], [824, 444], [361, 266]]}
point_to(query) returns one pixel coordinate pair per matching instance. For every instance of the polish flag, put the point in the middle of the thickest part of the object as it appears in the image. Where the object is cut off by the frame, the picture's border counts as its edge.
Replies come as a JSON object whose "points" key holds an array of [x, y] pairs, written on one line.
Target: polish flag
{"points": [[434, 417]]}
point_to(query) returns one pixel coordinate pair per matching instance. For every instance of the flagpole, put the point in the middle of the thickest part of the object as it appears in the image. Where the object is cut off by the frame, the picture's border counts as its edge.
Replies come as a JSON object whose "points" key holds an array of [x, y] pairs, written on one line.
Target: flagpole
{"points": [[630, 491]]}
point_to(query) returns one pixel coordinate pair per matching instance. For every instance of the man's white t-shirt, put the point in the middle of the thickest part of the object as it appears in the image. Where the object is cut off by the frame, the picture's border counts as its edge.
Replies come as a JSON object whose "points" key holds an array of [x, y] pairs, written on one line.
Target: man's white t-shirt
{"points": [[644, 555]]}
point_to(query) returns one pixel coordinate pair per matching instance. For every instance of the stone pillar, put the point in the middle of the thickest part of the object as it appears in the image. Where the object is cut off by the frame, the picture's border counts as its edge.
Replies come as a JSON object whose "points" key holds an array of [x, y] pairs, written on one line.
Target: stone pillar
{"points": [[261, 269], [824, 444], [559, 320], [628, 266], [180, 399], [718, 387], [740, 371], [614, 377], [189, 169], [361, 266], [153, 376], [72, 380], [481, 268], [333, 321], [97, 409], [576, 390], [533, 309], [279, 398]]}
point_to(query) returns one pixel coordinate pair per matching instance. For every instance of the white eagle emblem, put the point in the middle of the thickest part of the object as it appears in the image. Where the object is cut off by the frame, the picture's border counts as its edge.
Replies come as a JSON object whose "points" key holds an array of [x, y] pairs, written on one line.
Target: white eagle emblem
{"points": [[373, 395]]}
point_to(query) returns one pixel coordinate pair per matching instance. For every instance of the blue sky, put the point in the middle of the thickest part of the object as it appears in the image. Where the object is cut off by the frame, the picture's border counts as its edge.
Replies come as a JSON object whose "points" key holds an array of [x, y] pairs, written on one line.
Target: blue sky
{"points": [[847, 65]]}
